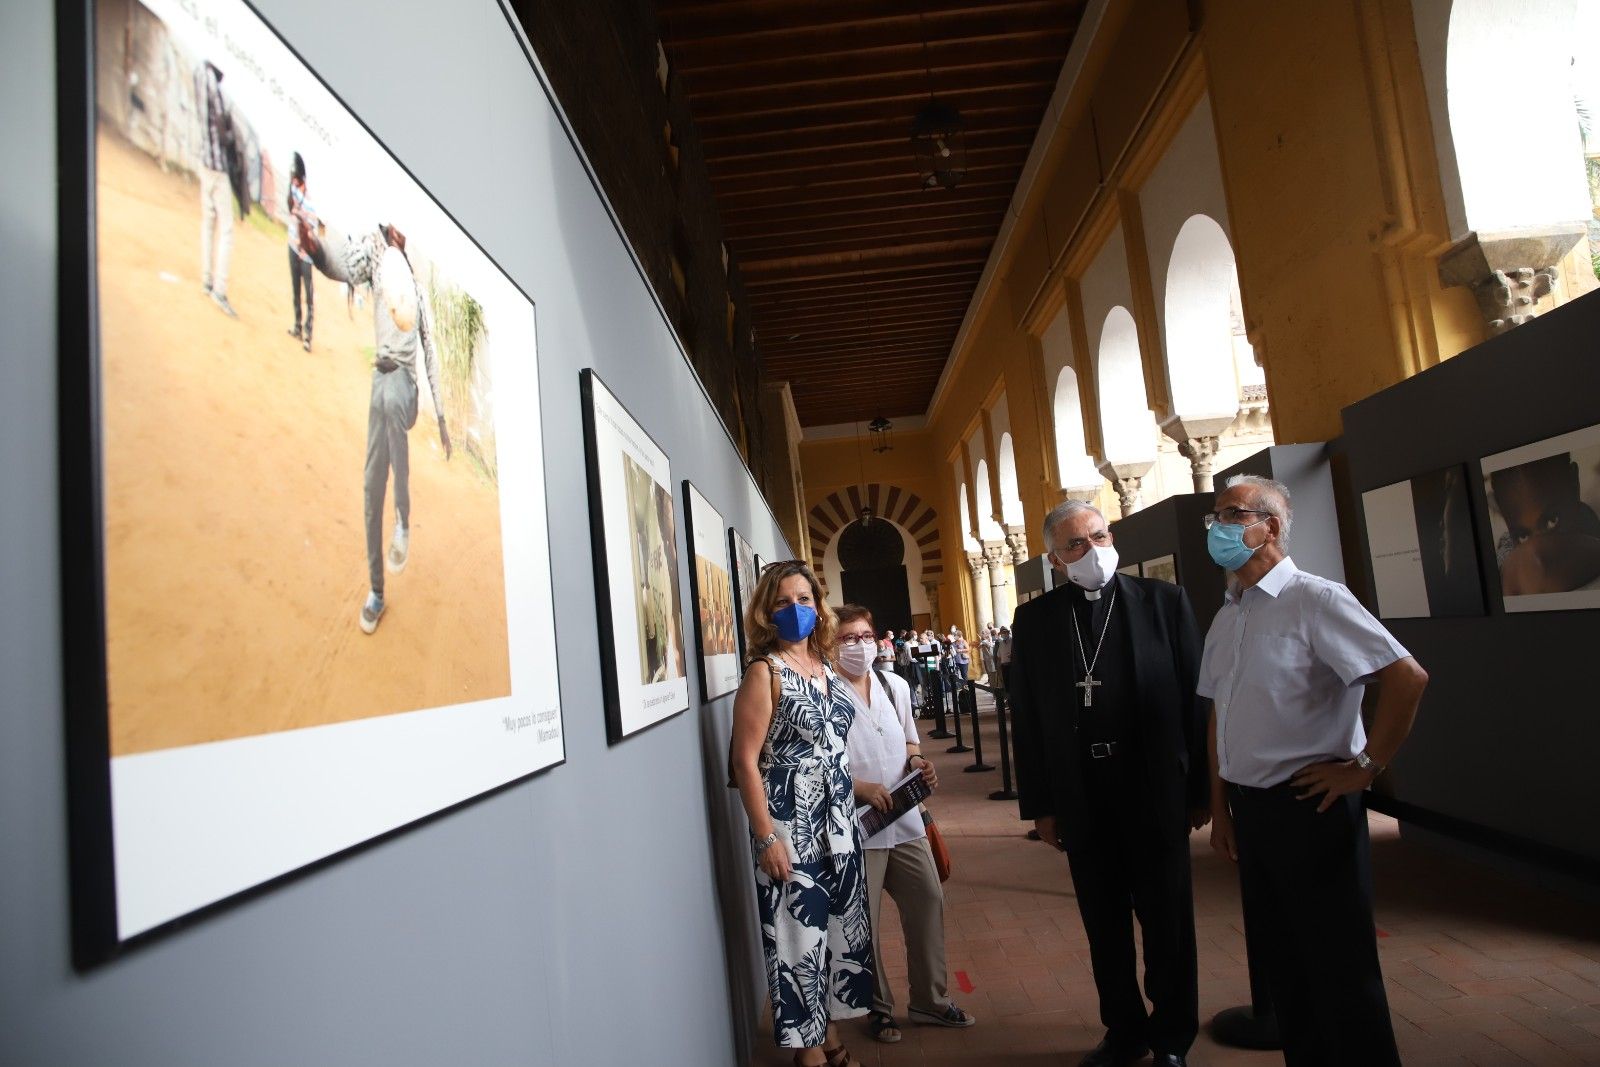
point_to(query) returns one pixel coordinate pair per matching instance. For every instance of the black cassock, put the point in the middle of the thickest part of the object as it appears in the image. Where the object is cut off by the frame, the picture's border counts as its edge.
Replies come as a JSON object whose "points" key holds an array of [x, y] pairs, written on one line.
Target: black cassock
{"points": [[1120, 777]]}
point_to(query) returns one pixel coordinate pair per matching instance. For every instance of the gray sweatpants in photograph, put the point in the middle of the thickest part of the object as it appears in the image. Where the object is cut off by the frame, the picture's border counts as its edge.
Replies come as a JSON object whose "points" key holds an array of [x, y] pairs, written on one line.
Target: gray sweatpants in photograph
{"points": [[907, 872], [393, 412]]}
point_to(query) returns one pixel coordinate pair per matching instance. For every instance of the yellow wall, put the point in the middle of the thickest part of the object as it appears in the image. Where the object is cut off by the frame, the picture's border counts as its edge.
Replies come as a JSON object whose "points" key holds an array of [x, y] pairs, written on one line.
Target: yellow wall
{"points": [[1336, 211]]}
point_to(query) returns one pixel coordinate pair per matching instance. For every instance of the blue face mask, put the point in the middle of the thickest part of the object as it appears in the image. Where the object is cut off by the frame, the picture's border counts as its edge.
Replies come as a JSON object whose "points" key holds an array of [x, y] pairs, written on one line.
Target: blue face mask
{"points": [[1225, 542], [795, 622]]}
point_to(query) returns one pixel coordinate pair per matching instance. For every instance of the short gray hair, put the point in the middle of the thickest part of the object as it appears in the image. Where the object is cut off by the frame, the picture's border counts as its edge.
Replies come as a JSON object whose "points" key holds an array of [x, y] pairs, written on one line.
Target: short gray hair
{"points": [[1060, 514], [1272, 498]]}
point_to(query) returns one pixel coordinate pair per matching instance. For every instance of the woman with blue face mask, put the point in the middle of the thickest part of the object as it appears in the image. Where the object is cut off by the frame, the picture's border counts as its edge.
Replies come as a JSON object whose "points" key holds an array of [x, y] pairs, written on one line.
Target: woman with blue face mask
{"points": [[788, 760]]}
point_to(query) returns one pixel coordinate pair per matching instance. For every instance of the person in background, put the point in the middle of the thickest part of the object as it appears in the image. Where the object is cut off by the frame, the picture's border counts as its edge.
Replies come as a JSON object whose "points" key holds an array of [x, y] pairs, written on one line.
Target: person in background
{"points": [[789, 761], [902, 656], [1111, 769], [885, 658], [960, 658], [1002, 656], [302, 227], [884, 748], [986, 655], [218, 155], [1286, 662]]}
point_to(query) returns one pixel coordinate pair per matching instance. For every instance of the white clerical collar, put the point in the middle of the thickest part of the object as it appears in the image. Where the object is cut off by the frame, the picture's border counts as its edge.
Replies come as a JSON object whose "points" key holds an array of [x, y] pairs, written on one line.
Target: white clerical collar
{"points": [[1092, 595]]}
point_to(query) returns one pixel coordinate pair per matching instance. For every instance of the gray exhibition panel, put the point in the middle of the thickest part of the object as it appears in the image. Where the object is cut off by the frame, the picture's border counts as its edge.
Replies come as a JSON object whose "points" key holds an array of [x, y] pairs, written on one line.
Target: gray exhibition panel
{"points": [[599, 912], [1503, 748]]}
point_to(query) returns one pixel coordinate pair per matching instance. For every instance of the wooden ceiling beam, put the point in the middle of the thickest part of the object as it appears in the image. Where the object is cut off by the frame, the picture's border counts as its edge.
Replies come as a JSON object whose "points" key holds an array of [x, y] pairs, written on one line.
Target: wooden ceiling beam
{"points": [[735, 124], [895, 128], [837, 200], [872, 227], [924, 208], [829, 155], [994, 21], [819, 319], [934, 63], [945, 277], [891, 169], [906, 91], [692, 21]]}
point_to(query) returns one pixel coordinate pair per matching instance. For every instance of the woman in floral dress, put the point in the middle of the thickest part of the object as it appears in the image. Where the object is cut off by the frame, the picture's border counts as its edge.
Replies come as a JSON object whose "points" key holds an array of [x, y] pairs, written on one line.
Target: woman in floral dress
{"points": [[788, 760]]}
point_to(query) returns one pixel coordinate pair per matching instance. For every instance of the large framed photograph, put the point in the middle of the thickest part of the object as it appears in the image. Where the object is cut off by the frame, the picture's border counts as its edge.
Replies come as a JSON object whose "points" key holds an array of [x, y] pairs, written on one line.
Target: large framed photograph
{"points": [[743, 558], [1423, 548], [633, 529], [712, 588], [1544, 516], [307, 587]]}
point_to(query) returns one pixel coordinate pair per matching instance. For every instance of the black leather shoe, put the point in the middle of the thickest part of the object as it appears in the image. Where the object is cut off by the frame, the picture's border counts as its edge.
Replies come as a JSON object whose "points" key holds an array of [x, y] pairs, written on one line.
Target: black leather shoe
{"points": [[1168, 1059], [1107, 1054]]}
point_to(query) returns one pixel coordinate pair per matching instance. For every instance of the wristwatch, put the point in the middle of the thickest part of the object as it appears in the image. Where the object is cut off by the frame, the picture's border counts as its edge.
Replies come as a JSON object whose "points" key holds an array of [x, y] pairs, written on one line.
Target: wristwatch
{"points": [[1367, 763], [766, 842]]}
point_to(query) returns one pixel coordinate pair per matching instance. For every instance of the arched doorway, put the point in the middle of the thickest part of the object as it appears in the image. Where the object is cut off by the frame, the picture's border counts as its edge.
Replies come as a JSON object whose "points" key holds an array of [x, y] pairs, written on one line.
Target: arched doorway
{"points": [[872, 562]]}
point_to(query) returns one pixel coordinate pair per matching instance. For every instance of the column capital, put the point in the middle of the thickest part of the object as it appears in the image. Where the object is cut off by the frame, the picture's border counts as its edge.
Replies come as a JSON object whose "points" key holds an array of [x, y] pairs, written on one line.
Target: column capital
{"points": [[1127, 479], [1017, 542], [1201, 452], [1509, 271], [994, 552], [978, 564]]}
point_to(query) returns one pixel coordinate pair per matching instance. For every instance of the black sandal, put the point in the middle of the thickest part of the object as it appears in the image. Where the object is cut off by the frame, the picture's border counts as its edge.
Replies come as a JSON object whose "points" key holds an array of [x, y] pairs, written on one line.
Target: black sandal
{"points": [[883, 1027]]}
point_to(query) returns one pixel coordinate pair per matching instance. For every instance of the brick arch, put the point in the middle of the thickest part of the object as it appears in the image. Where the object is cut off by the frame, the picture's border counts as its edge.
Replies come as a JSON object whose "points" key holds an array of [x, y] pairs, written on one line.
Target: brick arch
{"points": [[901, 507]]}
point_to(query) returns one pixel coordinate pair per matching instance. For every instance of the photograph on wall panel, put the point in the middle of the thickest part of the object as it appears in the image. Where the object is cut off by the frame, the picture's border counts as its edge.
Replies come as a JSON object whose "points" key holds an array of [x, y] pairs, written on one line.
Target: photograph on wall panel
{"points": [[744, 581], [302, 475], [1422, 546], [1544, 517], [633, 529], [712, 589]]}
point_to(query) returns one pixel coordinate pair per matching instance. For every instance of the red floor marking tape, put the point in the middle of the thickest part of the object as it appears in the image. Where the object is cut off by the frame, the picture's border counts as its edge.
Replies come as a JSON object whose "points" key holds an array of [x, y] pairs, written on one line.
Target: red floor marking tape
{"points": [[963, 981]]}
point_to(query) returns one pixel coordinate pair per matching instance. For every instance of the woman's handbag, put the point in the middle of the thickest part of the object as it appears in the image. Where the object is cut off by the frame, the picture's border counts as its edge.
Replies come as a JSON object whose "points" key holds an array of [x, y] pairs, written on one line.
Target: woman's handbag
{"points": [[941, 854]]}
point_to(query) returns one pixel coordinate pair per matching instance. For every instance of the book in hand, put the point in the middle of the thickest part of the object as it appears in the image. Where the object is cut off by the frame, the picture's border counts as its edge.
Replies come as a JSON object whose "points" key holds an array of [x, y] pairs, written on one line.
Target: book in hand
{"points": [[907, 793]]}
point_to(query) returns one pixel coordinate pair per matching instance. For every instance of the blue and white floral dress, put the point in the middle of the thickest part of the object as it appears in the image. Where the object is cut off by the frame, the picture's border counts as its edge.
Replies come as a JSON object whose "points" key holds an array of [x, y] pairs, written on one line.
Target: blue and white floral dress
{"points": [[815, 930]]}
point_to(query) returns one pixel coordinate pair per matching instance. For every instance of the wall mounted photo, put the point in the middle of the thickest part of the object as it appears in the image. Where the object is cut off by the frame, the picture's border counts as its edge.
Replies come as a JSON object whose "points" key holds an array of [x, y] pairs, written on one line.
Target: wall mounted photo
{"points": [[745, 574], [1544, 518], [712, 588], [1423, 549], [302, 476], [1162, 568], [633, 528]]}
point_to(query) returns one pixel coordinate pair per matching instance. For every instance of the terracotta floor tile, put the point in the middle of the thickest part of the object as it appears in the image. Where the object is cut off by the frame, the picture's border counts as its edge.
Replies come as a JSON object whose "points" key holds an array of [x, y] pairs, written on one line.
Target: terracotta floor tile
{"points": [[1481, 970]]}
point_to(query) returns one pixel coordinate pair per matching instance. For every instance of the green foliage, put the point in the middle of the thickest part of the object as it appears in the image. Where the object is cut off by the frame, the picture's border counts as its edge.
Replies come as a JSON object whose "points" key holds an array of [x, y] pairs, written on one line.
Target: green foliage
{"points": [[459, 333]]}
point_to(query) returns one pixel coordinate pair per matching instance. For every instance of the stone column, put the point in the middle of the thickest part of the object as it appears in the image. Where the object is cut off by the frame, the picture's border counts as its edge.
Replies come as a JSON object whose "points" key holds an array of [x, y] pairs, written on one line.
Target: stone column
{"points": [[1002, 591], [982, 599], [1510, 271], [1201, 452], [1126, 479]]}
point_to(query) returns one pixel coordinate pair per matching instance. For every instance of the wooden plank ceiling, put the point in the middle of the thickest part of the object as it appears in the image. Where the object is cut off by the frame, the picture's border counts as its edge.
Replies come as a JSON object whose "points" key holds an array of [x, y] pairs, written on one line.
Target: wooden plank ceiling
{"points": [[858, 276]]}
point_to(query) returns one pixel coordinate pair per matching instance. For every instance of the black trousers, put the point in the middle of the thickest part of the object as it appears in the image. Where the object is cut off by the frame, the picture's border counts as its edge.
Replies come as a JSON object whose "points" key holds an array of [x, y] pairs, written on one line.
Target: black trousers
{"points": [[1307, 884], [1127, 865]]}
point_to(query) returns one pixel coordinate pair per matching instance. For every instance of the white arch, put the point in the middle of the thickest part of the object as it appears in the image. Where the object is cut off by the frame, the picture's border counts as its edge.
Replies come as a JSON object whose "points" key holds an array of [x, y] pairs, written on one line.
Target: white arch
{"points": [[1202, 283], [1072, 451], [964, 514], [1126, 425], [1507, 68], [988, 529], [1010, 493]]}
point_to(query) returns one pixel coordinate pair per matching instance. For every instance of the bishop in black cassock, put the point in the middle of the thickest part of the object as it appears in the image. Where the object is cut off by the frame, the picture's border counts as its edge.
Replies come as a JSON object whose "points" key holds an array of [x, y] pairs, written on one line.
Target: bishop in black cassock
{"points": [[1112, 769]]}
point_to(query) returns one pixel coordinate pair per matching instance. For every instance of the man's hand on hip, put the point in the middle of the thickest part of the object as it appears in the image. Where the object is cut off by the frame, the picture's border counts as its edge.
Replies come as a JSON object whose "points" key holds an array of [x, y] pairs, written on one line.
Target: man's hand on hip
{"points": [[1337, 778]]}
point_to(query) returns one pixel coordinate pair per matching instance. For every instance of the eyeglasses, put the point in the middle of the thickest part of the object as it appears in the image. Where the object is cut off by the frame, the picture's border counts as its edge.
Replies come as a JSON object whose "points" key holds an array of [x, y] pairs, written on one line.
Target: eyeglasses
{"points": [[857, 639], [1230, 516], [1101, 537]]}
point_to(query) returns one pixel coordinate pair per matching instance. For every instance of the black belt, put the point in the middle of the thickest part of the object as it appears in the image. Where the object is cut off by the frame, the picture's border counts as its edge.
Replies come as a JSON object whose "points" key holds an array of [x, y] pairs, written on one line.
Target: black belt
{"points": [[1103, 749]]}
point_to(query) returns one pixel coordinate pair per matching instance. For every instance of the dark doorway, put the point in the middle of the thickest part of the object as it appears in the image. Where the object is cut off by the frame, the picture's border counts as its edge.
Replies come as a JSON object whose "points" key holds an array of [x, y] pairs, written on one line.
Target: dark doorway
{"points": [[872, 557]]}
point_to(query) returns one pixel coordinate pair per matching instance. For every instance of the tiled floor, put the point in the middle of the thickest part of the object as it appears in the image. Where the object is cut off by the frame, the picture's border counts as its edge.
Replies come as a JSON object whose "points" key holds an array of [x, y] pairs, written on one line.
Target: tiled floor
{"points": [[1481, 969]]}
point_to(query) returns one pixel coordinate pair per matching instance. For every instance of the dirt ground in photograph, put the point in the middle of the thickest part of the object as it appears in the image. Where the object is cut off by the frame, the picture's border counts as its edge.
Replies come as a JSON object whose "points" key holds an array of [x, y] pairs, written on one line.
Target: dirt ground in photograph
{"points": [[235, 555]]}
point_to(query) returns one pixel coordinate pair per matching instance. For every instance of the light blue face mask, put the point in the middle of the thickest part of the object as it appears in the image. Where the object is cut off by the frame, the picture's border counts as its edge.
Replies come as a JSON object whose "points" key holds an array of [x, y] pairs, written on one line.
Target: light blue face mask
{"points": [[1225, 542]]}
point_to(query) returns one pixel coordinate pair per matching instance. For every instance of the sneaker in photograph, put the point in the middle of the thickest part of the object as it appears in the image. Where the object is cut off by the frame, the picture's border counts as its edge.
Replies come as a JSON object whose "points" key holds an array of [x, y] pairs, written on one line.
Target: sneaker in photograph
{"points": [[371, 612], [399, 549], [221, 301], [294, 331]]}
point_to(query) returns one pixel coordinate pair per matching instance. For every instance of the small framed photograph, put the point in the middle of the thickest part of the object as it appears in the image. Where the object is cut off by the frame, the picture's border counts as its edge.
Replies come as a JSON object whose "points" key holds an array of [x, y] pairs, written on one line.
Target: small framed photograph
{"points": [[634, 531], [711, 585], [1544, 517]]}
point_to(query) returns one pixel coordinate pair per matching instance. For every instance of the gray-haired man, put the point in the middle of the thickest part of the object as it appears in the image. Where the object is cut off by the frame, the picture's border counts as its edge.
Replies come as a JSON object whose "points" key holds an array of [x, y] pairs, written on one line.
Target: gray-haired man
{"points": [[1286, 662], [1111, 768]]}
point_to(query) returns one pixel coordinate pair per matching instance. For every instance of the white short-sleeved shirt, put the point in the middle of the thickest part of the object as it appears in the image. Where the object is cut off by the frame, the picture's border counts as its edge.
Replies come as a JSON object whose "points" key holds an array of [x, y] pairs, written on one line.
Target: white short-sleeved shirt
{"points": [[1286, 664], [877, 747]]}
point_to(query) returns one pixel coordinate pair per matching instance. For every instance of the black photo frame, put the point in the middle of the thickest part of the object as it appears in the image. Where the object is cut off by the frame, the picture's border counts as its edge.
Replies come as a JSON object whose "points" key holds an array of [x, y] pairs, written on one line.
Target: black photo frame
{"points": [[711, 592], [137, 872]]}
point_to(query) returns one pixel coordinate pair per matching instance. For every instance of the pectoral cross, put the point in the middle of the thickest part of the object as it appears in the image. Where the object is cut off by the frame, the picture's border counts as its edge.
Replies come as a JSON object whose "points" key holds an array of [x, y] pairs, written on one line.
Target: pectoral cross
{"points": [[1088, 685]]}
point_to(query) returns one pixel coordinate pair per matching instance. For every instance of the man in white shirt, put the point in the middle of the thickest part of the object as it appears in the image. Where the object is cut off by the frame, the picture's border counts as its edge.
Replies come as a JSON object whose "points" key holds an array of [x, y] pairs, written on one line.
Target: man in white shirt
{"points": [[883, 748], [1285, 665]]}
